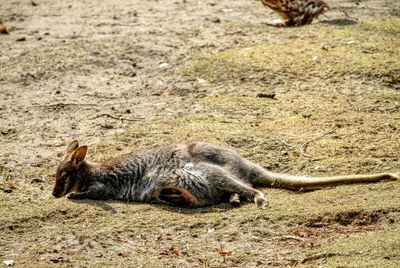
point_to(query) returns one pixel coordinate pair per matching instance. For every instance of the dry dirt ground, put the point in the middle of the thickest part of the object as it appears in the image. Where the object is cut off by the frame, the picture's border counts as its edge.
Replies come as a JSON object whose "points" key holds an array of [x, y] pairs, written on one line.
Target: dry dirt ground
{"points": [[125, 75]]}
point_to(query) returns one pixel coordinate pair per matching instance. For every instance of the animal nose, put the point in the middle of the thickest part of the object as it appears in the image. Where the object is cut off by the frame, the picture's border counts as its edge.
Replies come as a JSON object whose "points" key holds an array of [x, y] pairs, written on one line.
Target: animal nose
{"points": [[56, 193]]}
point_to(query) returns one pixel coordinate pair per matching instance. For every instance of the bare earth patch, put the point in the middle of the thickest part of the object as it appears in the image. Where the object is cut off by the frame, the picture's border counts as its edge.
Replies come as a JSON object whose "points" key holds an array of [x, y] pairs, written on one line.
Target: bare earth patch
{"points": [[125, 75]]}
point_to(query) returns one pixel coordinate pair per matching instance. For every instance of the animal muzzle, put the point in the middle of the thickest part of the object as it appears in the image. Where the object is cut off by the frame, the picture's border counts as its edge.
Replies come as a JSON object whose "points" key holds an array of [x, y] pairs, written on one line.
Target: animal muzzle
{"points": [[58, 191]]}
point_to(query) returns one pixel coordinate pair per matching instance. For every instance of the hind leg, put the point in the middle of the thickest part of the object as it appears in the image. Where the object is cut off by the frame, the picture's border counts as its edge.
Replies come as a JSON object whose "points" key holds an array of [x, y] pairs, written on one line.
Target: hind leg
{"points": [[232, 162], [203, 184], [241, 190], [260, 200], [220, 182]]}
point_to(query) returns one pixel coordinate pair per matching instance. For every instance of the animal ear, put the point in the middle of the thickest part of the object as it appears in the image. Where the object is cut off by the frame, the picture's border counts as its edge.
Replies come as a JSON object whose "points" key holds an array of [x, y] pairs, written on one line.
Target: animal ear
{"points": [[72, 147], [79, 155]]}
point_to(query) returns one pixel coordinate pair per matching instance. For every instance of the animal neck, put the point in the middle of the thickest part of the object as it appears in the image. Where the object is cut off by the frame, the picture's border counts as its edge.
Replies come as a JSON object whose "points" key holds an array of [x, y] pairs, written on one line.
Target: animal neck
{"points": [[87, 173], [112, 172]]}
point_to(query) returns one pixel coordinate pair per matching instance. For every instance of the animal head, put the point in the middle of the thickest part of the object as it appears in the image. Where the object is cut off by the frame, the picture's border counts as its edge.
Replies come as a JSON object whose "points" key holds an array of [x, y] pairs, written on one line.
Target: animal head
{"points": [[66, 175]]}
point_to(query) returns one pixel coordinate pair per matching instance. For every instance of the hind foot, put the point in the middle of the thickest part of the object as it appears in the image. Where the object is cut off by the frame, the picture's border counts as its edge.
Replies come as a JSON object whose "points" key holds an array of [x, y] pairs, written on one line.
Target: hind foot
{"points": [[261, 201]]}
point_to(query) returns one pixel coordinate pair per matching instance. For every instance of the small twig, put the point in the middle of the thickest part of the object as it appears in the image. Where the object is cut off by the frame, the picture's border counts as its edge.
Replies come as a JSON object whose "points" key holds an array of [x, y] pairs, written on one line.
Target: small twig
{"points": [[63, 104], [284, 142], [116, 117], [288, 237], [345, 13], [304, 146], [322, 255], [285, 237], [220, 250], [326, 16]]}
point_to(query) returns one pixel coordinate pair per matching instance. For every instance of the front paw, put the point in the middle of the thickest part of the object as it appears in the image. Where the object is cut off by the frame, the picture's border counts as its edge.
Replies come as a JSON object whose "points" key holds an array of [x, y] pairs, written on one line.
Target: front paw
{"points": [[75, 196]]}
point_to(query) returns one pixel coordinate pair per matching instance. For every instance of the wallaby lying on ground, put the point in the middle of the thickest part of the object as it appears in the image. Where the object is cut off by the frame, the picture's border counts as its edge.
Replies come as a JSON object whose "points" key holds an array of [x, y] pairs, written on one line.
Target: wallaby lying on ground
{"points": [[196, 174]]}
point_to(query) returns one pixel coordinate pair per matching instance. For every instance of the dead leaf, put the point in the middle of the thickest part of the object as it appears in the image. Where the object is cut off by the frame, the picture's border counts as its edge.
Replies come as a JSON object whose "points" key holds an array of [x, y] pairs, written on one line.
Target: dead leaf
{"points": [[158, 237], [174, 251], [294, 263], [124, 254], [298, 233], [225, 253], [3, 29], [12, 186]]}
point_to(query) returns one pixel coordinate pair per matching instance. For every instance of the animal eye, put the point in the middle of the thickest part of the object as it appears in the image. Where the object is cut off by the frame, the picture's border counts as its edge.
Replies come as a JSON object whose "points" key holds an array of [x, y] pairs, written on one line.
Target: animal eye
{"points": [[63, 177]]}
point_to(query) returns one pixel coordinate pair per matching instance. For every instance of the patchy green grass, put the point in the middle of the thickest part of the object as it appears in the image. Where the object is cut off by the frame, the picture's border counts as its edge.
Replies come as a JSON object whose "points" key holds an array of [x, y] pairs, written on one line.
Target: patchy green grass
{"points": [[375, 249], [366, 50]]}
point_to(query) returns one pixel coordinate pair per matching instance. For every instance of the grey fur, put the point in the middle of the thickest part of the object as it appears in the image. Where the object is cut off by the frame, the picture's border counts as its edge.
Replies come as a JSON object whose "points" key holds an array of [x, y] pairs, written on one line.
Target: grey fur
{"points": [[196, 174]]}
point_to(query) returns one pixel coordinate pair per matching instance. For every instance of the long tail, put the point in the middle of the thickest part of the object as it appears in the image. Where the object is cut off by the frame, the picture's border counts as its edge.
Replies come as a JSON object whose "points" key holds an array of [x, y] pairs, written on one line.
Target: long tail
{"points": [[285, 181]]}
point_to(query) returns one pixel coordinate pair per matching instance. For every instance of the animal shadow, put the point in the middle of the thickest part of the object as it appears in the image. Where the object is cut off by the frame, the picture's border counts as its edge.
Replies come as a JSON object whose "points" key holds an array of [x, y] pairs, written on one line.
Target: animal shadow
{"points": [[97, 203], [340, 22], [167, 207]]}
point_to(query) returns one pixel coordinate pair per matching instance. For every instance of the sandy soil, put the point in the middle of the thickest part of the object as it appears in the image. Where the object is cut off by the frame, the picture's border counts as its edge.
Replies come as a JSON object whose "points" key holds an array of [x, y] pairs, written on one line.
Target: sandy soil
{"points": [[93, 70], [82, 59]]}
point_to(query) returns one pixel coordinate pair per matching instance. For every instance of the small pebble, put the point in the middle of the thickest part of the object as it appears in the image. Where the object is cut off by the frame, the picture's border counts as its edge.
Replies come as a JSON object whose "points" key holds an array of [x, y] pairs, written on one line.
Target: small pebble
{"points": [[163, 65], [8, 262]]}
